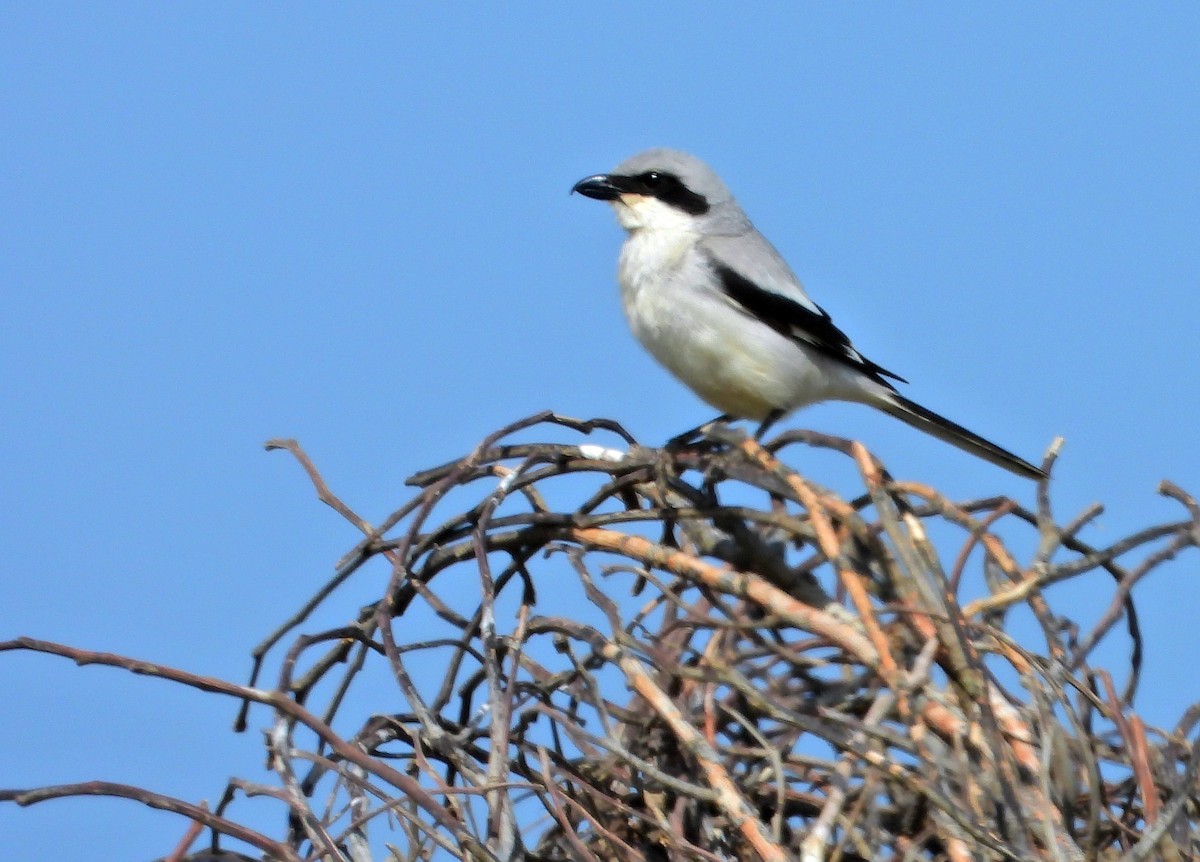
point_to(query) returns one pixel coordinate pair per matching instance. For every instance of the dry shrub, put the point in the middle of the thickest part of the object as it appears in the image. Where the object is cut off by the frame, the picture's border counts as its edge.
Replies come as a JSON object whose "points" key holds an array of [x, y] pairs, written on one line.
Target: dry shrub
{"points": [[602, 651]]}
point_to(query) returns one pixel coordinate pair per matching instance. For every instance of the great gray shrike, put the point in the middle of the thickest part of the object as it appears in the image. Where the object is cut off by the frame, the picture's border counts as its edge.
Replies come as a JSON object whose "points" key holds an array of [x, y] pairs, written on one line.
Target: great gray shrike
{"points": [[715, 303]]}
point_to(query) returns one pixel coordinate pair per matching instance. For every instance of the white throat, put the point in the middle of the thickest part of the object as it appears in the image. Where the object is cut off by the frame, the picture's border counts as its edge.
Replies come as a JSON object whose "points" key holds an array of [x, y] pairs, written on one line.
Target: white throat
{"points": [[639, 212]]}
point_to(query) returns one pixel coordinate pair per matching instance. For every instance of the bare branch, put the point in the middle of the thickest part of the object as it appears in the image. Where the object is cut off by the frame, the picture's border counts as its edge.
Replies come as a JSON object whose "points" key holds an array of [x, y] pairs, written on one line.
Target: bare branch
{"points": [[593, 650]]}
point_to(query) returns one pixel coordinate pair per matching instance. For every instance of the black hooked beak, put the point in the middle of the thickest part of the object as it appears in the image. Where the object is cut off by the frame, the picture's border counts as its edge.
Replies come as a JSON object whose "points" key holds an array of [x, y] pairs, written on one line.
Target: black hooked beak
{"points": [[603, 187]]}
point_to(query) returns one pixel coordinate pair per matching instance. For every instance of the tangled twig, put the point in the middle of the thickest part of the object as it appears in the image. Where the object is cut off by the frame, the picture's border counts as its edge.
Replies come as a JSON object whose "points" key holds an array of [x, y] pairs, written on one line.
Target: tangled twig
{"points": [[612, 652]]}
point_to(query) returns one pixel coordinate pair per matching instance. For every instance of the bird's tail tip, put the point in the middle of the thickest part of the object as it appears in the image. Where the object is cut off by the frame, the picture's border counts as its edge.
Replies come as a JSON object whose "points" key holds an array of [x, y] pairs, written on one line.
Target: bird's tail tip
{"points": [[926, 420]]}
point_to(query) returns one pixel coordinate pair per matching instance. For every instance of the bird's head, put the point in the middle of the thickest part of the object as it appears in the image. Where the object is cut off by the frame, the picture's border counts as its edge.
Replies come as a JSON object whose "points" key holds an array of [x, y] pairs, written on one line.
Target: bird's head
{"points": [[661, 189]]}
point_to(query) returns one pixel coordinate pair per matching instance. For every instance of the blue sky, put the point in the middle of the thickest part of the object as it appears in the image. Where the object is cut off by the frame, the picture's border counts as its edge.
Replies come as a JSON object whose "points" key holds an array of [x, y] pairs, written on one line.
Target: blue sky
{"points": [[226, 222]]}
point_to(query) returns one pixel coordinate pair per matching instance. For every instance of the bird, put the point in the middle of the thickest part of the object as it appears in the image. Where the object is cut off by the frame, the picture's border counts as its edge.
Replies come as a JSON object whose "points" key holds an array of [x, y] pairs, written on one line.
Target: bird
{"points": [[712, 301]]}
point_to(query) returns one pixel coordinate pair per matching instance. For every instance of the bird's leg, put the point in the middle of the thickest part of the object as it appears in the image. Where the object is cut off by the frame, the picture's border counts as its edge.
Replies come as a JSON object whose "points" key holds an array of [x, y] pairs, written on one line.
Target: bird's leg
{"points": [[688, 437], [772, 417]]}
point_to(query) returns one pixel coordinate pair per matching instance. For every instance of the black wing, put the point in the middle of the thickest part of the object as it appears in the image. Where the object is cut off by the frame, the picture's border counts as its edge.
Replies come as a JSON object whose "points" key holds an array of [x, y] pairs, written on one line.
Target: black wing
{"points": [[798, 322]]}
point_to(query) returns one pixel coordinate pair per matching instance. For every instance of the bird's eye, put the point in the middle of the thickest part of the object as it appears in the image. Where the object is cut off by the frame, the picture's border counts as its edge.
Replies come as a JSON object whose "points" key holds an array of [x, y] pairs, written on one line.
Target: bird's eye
{"points": [[670, 189]]}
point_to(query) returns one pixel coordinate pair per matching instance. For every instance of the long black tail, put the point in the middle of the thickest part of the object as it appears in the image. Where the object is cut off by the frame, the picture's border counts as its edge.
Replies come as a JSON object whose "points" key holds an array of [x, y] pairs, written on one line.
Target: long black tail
{"points": [[929, 422]]}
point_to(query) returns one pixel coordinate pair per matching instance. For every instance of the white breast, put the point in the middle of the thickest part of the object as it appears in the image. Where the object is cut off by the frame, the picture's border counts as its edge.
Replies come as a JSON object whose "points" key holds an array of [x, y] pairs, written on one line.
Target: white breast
{"points": [[734, 362]]}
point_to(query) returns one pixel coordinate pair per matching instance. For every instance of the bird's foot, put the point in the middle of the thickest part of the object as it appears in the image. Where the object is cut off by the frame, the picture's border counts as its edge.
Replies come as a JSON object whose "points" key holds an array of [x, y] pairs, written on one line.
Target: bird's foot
{"points": [[696, 435], [772, 417]]}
